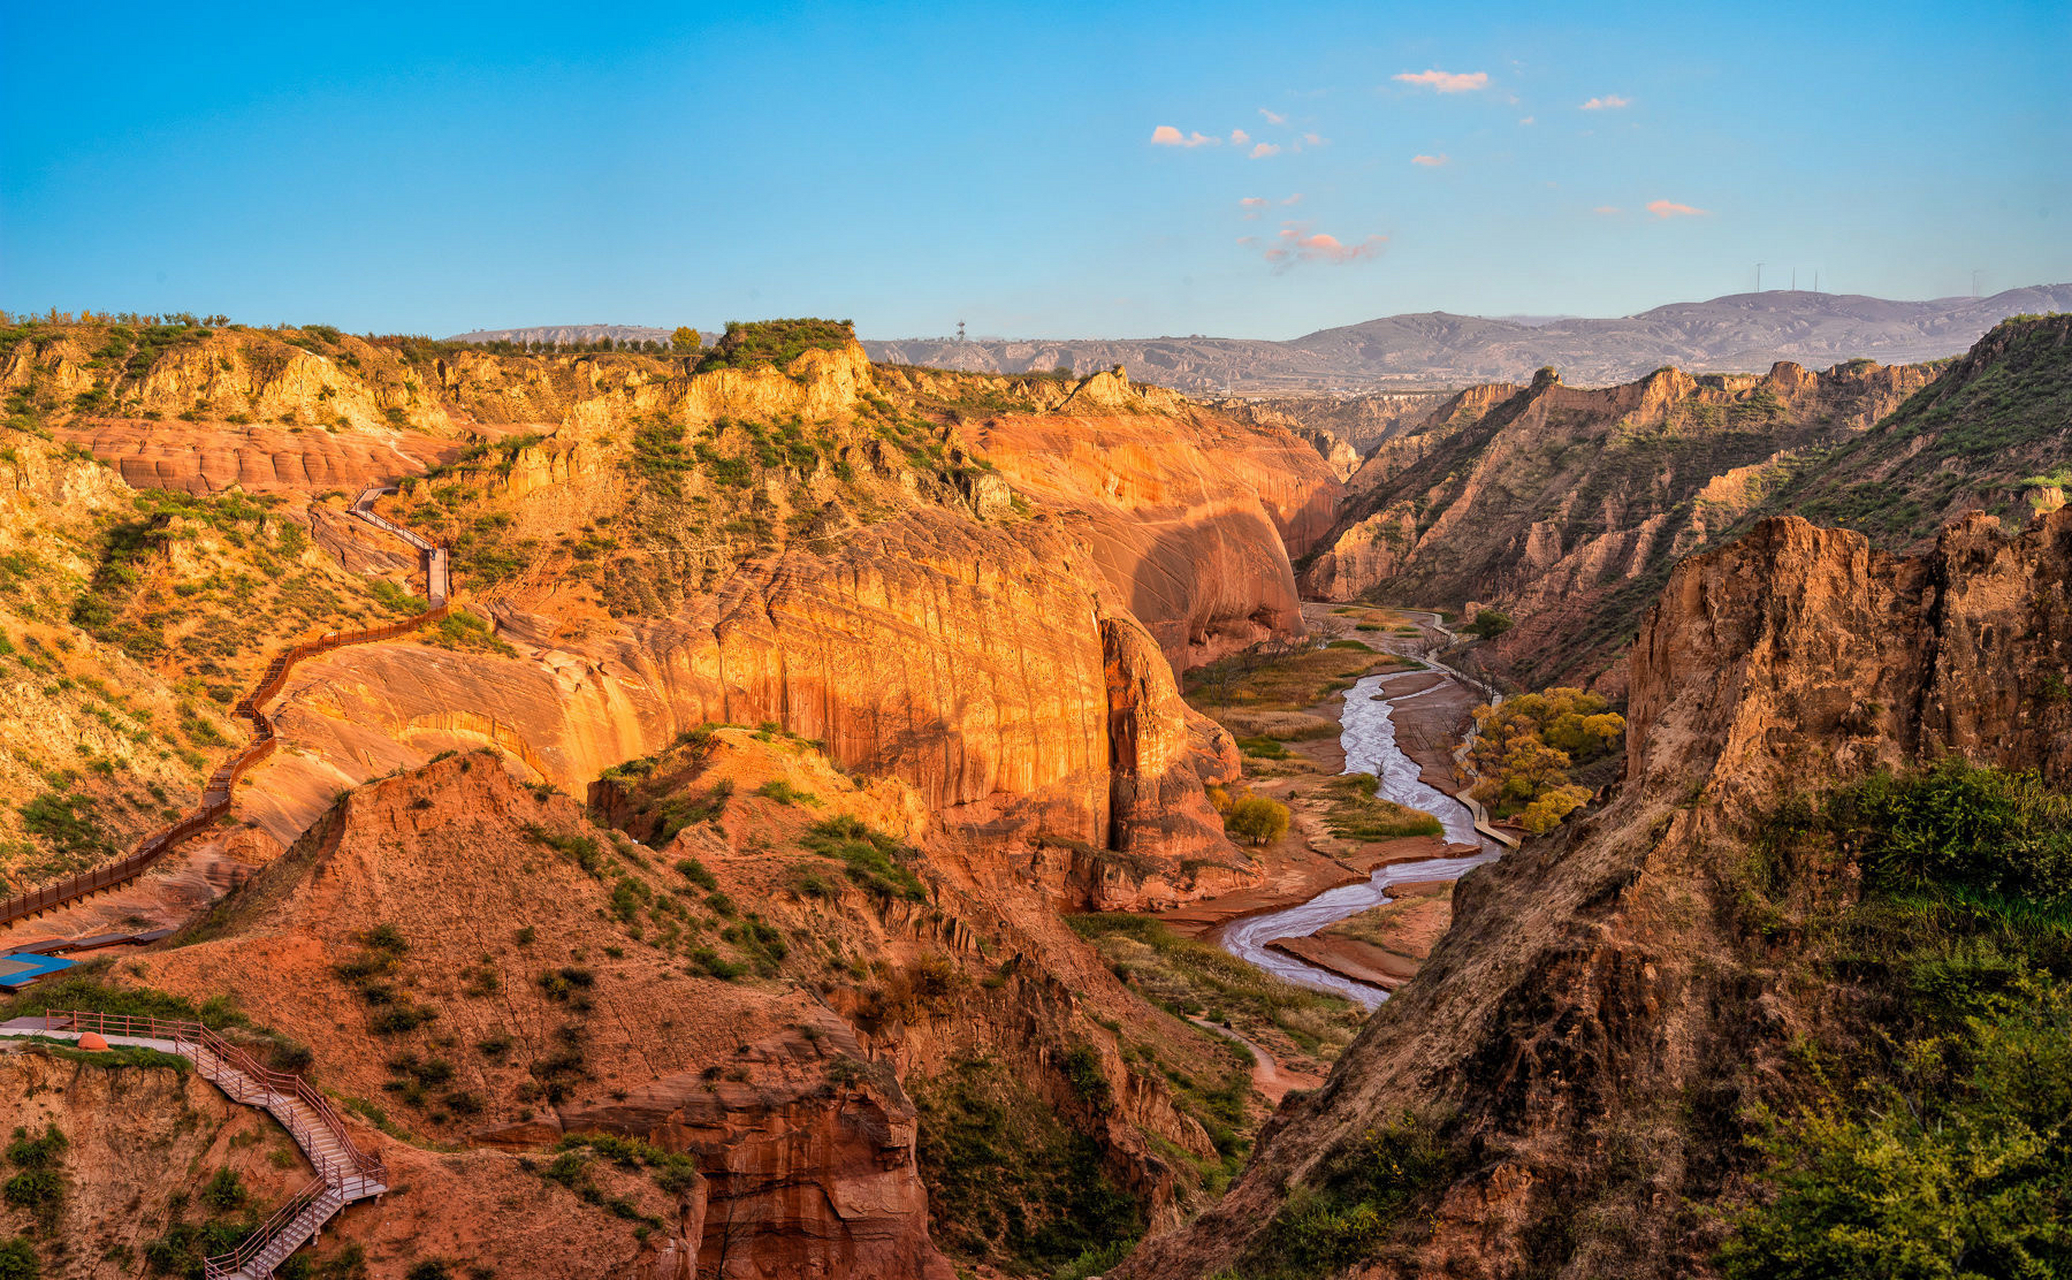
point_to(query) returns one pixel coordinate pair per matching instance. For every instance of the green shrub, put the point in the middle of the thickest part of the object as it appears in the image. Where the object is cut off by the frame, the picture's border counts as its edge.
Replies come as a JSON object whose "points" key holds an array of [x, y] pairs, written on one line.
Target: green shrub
{"points": [[1257, 819], [784, 793], [224, 1192], [1982, 830], [18, 1260], [775, 342], [1359, 1195], [870, 859], [1489, 624], [1949, 1151]]}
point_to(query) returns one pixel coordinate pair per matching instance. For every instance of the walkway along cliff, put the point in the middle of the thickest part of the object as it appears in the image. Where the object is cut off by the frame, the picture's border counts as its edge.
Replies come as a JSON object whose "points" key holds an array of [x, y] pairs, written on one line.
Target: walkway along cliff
{"points": [[215, 797]]}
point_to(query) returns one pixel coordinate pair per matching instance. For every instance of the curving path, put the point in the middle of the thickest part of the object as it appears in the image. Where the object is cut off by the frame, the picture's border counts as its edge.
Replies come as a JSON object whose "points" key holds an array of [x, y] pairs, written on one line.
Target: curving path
{"points": [[215, 796]]}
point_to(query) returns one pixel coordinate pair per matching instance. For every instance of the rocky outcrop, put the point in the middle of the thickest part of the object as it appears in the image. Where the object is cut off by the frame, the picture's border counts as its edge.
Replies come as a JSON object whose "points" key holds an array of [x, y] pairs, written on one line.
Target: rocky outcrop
{"points": [[209, 458], [971, 663], [1192, 527], [1568, 506], [1593, 999]]}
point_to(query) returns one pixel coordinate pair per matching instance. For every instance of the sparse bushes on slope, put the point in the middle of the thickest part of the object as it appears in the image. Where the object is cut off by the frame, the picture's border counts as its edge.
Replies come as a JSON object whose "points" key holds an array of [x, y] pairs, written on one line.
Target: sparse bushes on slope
{"points": [[1934, 1137], [775, 342]]}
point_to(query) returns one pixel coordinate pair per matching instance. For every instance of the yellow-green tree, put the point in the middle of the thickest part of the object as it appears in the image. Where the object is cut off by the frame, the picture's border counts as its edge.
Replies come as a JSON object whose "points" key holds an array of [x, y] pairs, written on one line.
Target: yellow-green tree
{"points": [[1257, 819], [685, 340], [1525, 746]]}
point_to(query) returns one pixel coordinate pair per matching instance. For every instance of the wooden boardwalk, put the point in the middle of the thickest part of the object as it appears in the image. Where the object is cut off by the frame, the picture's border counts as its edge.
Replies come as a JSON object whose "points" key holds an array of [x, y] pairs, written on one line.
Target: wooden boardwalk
{"points": [[345, 1173], [215, 796]]}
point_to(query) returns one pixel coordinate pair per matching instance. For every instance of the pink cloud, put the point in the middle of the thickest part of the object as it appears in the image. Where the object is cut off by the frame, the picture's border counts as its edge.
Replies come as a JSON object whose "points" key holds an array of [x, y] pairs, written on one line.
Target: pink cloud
{"points": [[1273, 117], [1671, 209], [1238, 137], [1166, 135], [1265, 149], [1431, 162], [1447, 81], [1253, 202], [1297, 243], [1294, 199], [1606, 208], [1528, 120], [1314, 140], [1609, 102]]}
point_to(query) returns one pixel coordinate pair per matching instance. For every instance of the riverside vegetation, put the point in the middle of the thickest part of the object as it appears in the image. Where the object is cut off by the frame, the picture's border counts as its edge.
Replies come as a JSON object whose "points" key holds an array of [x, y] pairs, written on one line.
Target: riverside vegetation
{"points": [[637, 939]]}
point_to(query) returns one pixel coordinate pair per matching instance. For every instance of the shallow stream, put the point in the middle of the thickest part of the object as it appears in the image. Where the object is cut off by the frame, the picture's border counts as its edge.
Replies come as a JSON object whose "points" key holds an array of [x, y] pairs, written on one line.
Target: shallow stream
{"points": [[1368, 734]]}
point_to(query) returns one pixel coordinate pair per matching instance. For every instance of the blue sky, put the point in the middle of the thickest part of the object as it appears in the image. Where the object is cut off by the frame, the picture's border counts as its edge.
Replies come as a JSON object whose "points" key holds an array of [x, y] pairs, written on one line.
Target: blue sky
{"points": [[434, 168]]}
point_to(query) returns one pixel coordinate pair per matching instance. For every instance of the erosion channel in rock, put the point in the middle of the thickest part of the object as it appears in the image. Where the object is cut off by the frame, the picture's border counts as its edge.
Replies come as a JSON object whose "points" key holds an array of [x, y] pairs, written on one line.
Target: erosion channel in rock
{"points": [[1368, 735]]}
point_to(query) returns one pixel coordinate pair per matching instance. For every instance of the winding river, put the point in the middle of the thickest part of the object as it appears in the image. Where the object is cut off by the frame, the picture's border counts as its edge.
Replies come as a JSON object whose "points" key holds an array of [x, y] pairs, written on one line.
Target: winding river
{"points": [[1368, 734]]}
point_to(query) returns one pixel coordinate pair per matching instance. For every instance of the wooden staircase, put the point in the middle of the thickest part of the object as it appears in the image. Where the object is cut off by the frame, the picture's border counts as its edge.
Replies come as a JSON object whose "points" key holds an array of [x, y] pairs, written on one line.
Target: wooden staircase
{"points": [[345, 1173], [215, 796]]}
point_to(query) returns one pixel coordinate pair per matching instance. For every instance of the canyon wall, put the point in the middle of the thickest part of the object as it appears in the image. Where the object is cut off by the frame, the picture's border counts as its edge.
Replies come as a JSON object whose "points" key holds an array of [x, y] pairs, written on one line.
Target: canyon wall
{"points": [[1569, 506], [1589, 1037]]}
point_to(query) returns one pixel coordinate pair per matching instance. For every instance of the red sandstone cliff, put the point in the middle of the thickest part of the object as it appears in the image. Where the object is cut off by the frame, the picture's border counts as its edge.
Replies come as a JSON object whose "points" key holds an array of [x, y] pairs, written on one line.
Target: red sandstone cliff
{"points": [[1569, 505], [1587, 1036]]}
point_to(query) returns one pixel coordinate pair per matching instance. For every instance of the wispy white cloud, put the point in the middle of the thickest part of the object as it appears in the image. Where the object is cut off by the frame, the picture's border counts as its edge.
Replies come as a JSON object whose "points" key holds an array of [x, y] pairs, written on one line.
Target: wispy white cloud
{"points": [[1238, 137], [1253, 202], [1273, 117], [1431, 162], [1609, 102], [1166, 135], [1294, 199], [1315, 140], [1265, 149], [1296, 243], [1671, 209], [1529, 120], [1446, 81]]}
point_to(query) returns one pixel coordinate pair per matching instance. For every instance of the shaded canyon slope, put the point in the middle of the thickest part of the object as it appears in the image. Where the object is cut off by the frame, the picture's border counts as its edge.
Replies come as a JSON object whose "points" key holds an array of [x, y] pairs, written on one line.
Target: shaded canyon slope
{"points": [[1584, 1045], [1568, 507]]}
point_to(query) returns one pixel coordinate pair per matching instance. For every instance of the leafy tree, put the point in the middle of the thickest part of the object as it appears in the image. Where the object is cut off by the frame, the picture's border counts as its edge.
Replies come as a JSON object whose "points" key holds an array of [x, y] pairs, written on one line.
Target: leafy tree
{"points": [[685, 340], [1257, 819], [1489, 623], [1525, 746]]}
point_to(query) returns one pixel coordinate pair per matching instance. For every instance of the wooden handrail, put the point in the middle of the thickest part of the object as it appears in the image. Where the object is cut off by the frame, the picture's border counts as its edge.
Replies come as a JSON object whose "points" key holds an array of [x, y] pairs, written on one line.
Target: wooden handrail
{"points": [[214, 1058], [216, 795]]}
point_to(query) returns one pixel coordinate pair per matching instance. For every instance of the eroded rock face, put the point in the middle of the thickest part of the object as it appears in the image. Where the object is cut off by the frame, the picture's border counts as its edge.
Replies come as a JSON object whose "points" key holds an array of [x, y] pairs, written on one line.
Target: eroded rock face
{"points": [[969, 662], [132, 1135], [209, 458], [1593, 998], [1191, 522], [1569, 505]]}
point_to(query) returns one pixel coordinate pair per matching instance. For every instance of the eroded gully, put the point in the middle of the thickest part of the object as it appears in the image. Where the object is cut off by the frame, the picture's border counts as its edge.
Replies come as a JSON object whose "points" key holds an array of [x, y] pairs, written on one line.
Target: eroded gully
{"points": [[1368, 734]]}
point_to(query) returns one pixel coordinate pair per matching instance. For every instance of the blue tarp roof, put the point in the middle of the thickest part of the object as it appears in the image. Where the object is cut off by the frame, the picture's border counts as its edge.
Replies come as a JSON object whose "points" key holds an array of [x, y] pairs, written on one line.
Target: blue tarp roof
{"points": [[19, 970]]}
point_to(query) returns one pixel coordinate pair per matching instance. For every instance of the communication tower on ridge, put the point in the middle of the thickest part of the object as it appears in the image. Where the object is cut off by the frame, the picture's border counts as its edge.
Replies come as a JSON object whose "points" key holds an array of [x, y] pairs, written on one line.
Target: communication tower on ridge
{"points": [[960, 333]]}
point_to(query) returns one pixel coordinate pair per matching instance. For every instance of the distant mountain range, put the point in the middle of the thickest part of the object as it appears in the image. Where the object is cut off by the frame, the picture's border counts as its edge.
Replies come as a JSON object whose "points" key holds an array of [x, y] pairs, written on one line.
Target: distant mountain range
{"points": [[1739, 333]]}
